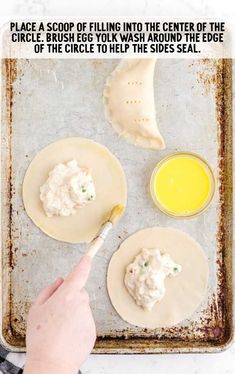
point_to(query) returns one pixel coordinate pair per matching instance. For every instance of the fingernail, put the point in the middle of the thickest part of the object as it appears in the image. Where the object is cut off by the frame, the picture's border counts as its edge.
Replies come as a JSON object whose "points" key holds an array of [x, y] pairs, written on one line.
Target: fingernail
{"points": [[58, 280]]}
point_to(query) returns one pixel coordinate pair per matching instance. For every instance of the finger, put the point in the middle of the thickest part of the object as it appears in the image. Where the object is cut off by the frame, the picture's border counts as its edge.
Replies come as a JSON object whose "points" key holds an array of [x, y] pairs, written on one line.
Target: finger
{"points": [[79, 275], [84, 295], [48, 291]]}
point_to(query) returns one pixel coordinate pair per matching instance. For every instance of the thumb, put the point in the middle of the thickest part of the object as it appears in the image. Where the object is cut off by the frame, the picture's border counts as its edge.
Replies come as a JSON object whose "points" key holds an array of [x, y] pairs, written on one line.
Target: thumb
{"points": [[79, 275]]}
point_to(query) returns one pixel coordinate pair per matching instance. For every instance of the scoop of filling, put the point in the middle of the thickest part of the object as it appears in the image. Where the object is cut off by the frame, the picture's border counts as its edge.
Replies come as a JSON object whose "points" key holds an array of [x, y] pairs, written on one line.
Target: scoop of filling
{"points": [[68, 188], [145, 276]]}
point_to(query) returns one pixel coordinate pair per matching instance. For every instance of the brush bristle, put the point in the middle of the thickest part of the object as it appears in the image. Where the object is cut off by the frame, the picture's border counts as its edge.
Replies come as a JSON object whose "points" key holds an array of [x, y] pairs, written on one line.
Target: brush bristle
{"points": [[116, 213]]}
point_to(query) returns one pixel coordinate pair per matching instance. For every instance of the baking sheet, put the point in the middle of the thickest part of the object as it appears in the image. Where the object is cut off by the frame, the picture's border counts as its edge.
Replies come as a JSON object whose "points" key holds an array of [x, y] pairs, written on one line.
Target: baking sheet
{"points": [[46, 100]]}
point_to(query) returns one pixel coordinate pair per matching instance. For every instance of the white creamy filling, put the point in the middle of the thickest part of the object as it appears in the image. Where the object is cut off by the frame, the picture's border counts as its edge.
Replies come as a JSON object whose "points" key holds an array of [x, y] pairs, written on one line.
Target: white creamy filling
{"points": [[68, 188], [145, 276]]}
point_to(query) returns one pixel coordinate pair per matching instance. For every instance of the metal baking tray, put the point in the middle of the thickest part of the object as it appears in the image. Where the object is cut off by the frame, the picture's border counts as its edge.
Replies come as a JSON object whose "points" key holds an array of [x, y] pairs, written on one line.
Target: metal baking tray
{"points": [[46, 100]]}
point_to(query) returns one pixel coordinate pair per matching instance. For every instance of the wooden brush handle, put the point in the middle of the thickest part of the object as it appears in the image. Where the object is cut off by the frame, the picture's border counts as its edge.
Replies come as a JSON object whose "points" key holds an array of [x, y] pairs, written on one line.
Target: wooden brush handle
{"points": [[94, 246], [99, 240]]}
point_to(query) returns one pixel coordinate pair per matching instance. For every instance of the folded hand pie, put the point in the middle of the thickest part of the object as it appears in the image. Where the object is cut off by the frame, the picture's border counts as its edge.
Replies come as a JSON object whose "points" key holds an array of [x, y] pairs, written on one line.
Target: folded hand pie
{"points": [[129, 103]]}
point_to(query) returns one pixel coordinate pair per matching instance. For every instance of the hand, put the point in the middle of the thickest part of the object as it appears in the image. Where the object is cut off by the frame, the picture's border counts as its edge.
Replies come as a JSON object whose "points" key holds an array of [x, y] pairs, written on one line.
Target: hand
{"points": [[61, 330]]}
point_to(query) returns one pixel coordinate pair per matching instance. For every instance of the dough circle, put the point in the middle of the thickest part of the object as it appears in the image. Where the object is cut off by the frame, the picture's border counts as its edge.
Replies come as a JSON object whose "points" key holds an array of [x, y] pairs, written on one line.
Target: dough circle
{"points": [[109, 179], [184, 293]]}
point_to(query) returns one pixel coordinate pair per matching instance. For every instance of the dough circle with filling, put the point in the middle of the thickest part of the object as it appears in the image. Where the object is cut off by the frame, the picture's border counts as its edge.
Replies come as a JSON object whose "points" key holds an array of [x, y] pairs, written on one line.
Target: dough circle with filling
{"points": [[110, 185], [184, 293]]}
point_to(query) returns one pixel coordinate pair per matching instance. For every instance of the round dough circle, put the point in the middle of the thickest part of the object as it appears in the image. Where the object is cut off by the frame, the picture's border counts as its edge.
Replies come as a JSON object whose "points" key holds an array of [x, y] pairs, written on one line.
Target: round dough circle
{"points": [[109, 179], [184, 293]]}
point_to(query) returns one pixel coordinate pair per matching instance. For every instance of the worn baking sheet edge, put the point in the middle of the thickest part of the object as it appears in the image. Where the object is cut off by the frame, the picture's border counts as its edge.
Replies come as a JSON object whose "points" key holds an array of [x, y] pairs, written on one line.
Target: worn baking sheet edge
{"points": [[143, 345], [9, 72]]}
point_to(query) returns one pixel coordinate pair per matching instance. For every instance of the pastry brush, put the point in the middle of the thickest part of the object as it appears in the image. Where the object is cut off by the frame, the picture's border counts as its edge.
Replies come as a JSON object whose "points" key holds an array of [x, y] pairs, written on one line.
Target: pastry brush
{"points": [[98, 241]]}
